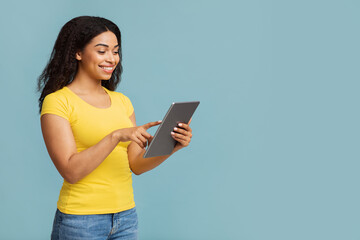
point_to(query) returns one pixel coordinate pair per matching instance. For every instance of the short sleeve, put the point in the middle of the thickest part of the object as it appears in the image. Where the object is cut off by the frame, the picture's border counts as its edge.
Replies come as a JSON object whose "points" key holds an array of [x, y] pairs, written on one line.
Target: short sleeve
{"points": [[56, 104], [128, 105]]}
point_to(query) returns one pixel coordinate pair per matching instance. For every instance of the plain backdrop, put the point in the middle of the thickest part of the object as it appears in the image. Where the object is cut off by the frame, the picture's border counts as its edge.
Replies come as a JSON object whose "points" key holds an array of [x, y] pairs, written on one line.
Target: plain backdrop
{"points": [[275, 147]]}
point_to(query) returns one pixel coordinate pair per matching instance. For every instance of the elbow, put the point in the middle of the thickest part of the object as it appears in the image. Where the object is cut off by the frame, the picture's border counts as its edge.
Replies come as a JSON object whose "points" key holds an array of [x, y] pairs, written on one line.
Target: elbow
{"points": [[70, 174], [135, 168], [137, 173], [71, 179]]}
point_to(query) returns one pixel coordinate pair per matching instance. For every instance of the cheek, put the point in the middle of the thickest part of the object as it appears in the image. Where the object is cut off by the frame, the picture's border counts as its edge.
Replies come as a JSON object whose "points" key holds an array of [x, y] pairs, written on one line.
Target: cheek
{"points": [[96, 59], [86, 62], [93, 58]]}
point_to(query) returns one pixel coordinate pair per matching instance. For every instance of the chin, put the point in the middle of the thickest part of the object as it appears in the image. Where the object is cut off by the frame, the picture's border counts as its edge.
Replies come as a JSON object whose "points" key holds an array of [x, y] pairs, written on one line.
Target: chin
{"points": [[105, 77]]}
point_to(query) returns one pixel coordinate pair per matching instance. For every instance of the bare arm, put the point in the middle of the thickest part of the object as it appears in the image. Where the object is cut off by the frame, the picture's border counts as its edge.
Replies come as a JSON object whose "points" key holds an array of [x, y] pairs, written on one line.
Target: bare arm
{"points": [[61, 146], [74, 166], [139, 165]]}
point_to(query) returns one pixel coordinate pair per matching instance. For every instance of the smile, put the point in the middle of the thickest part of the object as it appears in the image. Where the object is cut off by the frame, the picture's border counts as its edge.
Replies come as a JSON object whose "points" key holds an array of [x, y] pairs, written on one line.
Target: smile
{"points": [[107, 69]]}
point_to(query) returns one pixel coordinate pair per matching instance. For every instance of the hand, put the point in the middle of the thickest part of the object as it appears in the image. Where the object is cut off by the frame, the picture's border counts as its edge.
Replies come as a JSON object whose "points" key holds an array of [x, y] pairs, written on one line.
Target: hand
{"points": [[137, 134], [182, 134]]}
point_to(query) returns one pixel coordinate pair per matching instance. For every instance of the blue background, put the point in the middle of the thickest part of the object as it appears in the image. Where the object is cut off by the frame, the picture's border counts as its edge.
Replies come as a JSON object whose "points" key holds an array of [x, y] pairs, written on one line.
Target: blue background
{"points": [[275, 151]]}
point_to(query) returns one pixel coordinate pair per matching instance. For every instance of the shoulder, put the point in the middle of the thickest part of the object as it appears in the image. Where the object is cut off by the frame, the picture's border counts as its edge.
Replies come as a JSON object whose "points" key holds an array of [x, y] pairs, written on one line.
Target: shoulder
{"points": [[58, 101], [118, 94], [121, 96], [124, 101], [60, 94]]}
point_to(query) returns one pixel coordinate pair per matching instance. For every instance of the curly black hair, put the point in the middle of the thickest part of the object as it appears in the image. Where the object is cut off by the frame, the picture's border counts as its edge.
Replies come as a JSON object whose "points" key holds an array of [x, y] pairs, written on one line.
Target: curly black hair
{"points": [[62, 66]]}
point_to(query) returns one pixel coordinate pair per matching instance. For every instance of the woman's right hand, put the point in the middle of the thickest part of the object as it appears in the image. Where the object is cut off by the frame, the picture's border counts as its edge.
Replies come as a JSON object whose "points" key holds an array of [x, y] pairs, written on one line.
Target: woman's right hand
{"points": [[136, 134]]}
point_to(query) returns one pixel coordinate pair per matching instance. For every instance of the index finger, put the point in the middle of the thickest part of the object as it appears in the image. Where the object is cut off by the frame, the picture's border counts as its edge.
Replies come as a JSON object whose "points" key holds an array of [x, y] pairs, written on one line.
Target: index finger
{"points": [[151, 124]]}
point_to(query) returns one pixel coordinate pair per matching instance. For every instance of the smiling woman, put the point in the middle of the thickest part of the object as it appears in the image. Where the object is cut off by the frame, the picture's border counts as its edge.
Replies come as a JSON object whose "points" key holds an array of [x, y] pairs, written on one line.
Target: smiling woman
{"points": [[99, 58], [91, 135], [77, 38]]}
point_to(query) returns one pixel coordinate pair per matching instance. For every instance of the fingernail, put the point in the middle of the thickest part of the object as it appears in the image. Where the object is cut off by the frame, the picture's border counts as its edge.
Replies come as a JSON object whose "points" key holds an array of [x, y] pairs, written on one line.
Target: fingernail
{"points": [[172, 133], [160, 121], [175, 128], [180, 124]]}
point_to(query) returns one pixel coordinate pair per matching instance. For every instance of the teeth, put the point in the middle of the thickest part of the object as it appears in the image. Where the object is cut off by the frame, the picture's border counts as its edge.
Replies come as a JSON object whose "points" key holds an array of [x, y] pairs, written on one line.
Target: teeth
{"points": [[107, 68]]}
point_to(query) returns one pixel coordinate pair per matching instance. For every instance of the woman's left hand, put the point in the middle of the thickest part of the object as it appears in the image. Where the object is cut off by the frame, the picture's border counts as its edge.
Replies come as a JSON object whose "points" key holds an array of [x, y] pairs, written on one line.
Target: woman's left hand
{"points": [[182, 134]]}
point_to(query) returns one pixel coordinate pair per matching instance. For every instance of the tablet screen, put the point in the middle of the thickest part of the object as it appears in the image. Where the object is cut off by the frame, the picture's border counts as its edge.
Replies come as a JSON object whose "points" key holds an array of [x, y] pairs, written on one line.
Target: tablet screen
{"points": [[163, 143]]}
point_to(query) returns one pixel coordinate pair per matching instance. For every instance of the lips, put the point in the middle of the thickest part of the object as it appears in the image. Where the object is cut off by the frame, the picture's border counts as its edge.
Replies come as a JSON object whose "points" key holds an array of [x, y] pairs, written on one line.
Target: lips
{"points": [[107, 69]]}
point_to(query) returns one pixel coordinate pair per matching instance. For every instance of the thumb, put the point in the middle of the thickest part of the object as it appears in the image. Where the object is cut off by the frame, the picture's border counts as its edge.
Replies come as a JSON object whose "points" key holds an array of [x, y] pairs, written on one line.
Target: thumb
{"points": [[151, 124]]}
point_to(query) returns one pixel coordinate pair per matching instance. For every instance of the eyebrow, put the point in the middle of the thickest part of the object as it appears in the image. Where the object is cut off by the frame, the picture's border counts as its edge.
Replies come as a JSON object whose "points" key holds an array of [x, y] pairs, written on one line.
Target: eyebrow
{"points": [[105, 45]]}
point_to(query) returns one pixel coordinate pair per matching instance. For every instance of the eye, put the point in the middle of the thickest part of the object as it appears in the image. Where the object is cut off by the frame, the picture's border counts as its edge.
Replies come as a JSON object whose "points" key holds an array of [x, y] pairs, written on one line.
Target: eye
{"points": [[101, 52], [116, 52]]}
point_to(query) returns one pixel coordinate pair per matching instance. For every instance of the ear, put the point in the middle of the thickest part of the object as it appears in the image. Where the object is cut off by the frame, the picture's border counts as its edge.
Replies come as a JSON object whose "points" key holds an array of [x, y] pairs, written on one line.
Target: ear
{"points": [[78, 56]]}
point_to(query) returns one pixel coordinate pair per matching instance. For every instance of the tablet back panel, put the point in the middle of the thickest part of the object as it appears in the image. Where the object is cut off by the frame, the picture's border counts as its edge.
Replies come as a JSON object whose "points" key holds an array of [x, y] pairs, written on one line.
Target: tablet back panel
{"points": [[163, 143]]}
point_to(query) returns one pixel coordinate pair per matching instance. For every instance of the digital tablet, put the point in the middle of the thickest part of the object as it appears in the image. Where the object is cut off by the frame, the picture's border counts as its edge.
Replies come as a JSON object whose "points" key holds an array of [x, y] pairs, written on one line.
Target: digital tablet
{"points": [[163, 143]]}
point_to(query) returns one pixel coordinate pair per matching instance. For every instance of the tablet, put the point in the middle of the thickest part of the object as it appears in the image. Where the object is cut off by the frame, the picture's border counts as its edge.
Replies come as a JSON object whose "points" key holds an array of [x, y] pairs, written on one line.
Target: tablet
{"points": [[163, 143]]}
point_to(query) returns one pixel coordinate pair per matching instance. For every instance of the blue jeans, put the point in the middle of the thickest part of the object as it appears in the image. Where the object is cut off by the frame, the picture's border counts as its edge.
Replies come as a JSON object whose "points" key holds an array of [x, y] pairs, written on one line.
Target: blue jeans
{"points": [[121, 225]]}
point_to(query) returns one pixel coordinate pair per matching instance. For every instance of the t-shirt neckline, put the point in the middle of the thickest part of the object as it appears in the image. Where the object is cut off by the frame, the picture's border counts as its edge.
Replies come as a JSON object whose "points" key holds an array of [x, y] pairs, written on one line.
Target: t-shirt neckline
{"points": [[106, 90]]}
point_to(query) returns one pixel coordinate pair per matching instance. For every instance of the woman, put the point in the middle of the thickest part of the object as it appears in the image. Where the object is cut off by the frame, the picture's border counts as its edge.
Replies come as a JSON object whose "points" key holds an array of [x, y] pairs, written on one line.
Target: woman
{"points": [[91, 134]]}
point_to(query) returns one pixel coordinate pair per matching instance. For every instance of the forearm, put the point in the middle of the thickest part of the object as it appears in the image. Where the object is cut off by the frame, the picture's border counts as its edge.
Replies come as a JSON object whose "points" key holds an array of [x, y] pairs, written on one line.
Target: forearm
{"points": [[140, 165], [82, 163]]}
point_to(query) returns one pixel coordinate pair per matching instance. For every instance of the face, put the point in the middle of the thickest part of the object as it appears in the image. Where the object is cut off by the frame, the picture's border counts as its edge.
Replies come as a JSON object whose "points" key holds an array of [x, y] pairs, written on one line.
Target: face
{"points": [[100, 56]]}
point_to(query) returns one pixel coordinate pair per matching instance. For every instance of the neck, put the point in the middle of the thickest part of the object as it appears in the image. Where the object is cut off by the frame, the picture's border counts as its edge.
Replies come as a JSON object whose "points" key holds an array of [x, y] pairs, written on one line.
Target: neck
{"points": [[84, 84]]}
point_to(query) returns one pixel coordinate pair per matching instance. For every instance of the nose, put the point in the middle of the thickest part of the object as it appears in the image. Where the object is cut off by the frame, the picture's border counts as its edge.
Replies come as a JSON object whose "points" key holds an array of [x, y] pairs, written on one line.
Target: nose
{"points": [[110, 58]]}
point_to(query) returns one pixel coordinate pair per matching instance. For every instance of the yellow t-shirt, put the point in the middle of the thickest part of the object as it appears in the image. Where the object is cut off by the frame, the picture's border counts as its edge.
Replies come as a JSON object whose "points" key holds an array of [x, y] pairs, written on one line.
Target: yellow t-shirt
{"points": [[107, 189]]}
